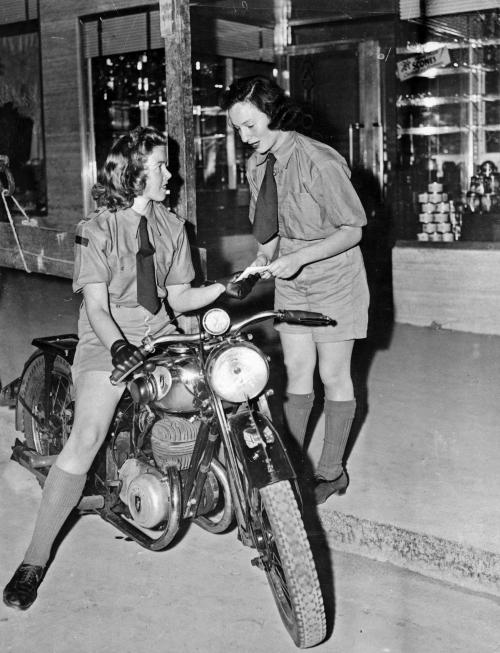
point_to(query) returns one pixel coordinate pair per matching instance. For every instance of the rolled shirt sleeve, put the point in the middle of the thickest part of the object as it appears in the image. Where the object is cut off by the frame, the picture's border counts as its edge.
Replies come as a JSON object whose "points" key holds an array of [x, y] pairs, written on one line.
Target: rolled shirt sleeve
{"points": [[90, 256], [182, 270], [334, 193]]}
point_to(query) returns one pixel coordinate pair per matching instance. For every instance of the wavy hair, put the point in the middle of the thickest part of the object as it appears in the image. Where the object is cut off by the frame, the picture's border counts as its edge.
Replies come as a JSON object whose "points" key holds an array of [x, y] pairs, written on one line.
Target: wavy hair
{"points": [[123, 176], [268, 97]]}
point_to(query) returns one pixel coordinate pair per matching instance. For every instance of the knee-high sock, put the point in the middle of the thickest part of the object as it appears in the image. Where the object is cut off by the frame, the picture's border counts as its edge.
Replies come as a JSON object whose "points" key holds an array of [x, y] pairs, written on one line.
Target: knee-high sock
{"points": [[297, 409], [61, 493], [339, 416]]}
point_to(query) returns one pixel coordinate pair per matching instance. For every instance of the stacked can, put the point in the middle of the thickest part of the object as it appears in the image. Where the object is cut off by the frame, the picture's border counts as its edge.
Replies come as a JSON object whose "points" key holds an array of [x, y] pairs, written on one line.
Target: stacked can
{"points": [[437, 215]]}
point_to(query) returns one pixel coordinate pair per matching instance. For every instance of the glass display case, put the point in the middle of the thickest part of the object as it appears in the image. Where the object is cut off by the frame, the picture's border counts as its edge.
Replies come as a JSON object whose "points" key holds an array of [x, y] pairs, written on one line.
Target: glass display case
{"points": [[448, 132], [128, 90]]}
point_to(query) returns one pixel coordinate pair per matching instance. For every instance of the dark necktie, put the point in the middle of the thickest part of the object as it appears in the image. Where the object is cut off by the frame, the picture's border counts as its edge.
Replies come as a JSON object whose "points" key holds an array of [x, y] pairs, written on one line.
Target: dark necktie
{"points": [[265, 224], [146, 279]]}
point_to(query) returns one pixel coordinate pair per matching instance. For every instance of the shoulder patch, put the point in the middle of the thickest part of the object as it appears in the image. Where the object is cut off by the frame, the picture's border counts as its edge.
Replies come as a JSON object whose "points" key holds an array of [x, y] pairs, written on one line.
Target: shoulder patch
{"points": [[80, 240]]}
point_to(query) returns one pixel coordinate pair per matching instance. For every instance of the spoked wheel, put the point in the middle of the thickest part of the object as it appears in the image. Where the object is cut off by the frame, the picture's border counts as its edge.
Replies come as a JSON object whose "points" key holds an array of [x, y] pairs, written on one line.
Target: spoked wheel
{"points": [[220, 516], [47, 411], [287, 560]]}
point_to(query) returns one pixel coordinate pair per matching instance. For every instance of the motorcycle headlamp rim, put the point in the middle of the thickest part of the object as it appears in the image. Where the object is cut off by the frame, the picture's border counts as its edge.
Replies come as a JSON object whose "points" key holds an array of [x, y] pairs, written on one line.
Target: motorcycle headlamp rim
{"points": [[238, 372], [216, 321]]}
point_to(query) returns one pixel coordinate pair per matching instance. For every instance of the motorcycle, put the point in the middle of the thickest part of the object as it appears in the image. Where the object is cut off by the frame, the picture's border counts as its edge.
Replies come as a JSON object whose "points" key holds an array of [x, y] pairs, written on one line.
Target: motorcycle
{"points": [[192, 439]]}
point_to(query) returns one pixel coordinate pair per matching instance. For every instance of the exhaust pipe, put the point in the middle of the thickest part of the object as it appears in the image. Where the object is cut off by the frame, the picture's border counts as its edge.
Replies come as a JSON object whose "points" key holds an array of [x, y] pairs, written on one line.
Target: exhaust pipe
{"points": [[30, 458]]}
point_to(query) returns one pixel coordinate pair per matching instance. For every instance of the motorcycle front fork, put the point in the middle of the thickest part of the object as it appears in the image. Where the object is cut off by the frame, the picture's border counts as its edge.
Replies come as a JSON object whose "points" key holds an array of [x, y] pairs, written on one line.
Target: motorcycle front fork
{"points": [[201, 460]]}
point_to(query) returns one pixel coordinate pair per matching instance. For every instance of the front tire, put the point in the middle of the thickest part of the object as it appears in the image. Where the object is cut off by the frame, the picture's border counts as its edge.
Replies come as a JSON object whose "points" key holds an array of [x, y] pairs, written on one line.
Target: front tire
{"points": [[288, 562]]}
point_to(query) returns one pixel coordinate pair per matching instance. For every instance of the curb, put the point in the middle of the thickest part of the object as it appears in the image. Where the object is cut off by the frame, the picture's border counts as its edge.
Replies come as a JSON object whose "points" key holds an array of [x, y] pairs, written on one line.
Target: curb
{"points": [[469, 567]]}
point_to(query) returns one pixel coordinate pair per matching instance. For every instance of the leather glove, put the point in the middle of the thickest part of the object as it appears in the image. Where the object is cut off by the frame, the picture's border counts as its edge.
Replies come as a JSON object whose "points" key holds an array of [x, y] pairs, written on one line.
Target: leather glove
{"points": [[240, 289], [125, 356]]}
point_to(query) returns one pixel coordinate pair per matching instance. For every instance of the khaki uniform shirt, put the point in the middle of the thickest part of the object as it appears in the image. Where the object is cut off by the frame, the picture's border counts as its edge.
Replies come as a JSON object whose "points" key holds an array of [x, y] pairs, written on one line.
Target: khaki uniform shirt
{"points": [[106, 246], [315, 198], [315, 194]]}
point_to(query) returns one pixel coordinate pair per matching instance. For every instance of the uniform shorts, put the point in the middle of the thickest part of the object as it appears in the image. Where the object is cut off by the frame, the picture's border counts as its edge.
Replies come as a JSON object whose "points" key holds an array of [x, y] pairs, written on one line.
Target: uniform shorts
{"points": [[336, 286], [135, 323]]}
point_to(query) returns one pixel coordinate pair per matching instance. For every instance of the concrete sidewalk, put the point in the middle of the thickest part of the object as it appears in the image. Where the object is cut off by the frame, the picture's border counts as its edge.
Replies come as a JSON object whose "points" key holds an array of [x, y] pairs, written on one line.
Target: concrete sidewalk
{"points": [[424, 488]]}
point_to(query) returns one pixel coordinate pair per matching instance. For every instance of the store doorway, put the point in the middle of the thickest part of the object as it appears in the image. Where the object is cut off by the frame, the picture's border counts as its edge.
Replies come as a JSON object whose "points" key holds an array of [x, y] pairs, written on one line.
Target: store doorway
{"points": [[340, 87]]}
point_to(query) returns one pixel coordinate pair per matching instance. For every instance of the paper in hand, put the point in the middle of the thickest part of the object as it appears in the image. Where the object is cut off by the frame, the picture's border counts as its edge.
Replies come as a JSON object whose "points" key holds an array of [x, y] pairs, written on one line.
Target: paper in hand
{"points": [[255, 269]]}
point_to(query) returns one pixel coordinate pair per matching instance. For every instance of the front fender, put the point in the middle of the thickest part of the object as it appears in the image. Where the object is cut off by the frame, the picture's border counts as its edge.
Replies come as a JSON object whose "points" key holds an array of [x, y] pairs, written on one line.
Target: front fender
{"points": [[260, 449]]}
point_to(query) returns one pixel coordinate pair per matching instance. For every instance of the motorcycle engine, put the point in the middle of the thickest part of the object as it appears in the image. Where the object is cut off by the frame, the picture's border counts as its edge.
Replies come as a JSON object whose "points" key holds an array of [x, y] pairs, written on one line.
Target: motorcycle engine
{"points": [[146, 493], [172, 441]]}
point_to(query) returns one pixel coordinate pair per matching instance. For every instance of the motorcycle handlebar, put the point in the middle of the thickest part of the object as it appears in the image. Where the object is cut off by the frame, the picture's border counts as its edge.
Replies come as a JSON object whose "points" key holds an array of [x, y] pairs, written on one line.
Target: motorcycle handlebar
{"points": [[308, 318], [117, 375], [147, 347]]}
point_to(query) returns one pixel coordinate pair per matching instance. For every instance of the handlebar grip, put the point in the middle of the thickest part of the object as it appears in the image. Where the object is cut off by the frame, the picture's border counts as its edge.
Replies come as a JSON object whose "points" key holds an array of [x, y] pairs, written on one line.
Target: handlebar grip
{"points": [[118, 375], [115, 376], [307, 317]]}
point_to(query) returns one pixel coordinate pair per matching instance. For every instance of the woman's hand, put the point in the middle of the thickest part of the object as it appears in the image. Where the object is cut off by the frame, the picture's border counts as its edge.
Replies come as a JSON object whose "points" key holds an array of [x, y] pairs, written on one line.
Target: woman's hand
{"points": [[125, 356], [286, 266]]}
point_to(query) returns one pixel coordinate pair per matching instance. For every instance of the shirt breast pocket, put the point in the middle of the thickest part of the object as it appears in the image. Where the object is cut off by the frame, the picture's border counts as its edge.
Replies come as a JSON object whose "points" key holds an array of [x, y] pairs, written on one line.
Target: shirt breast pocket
{"points": [[123, 274], [301, 217]]}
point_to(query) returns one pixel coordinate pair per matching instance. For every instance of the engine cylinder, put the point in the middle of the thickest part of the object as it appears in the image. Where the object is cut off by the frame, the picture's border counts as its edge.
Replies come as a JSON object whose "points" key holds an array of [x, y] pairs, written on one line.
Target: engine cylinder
{"points": [[172, 441]]}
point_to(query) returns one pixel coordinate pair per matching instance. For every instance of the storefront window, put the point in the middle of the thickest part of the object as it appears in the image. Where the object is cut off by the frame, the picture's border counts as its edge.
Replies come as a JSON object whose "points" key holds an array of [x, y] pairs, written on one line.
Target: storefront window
{"points": [[448, 122], [129, 90], [21, 131]]}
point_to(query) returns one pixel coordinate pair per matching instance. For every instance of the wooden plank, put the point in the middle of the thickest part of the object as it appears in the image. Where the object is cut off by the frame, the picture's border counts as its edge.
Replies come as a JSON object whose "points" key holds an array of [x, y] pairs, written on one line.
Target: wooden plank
{"points": [[50, 251], [46, 251], [179, 101]]}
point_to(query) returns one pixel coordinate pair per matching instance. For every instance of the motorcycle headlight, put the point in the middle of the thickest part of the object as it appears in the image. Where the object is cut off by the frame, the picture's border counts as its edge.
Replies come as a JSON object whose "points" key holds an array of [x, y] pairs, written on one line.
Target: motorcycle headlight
{"points": [[237, 371]]}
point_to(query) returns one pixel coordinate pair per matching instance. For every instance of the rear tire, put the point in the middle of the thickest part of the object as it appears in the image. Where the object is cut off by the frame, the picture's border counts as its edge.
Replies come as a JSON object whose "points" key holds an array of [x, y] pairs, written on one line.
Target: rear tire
{"points": [[288, 562], [47, 431]]}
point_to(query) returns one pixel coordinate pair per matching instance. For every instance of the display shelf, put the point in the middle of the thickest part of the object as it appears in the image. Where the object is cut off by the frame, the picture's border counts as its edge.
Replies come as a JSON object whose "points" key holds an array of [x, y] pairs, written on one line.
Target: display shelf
{"points": [[430, 101], [458, 70], [448, 124], [433, 131]]}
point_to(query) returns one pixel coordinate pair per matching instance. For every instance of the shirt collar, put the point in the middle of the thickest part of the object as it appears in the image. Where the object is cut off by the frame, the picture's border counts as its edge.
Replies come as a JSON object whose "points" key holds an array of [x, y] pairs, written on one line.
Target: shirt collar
{"points": [[150, 215], [283, 152]]}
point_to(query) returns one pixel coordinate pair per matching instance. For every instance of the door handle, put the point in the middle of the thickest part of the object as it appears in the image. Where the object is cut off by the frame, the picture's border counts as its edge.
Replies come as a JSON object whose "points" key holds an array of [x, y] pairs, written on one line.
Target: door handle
{"points": [[353, 127]]}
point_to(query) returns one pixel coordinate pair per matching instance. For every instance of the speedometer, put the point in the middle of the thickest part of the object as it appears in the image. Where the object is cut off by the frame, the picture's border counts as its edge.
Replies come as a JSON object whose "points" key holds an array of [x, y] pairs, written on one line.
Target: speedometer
{"points": [[216, 321]]}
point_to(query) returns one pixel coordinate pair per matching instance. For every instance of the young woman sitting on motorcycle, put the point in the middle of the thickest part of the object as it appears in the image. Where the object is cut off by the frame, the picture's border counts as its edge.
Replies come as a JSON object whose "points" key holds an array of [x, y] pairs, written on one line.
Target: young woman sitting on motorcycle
{"points": [[130, 234]]}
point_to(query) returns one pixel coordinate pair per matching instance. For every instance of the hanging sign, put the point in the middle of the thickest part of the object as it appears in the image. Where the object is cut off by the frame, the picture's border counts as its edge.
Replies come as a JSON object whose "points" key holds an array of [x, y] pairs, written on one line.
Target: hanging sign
{"points": [[420, 63]]}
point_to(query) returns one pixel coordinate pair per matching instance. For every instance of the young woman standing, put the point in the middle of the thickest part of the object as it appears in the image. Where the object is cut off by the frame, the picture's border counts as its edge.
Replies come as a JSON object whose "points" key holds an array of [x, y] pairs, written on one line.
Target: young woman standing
{"points": [[308, 237]]}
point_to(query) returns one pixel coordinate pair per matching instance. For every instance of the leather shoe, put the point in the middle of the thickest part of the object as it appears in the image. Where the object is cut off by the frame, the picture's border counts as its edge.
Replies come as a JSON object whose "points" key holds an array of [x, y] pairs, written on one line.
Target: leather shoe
{"points": [[325, 488], [21, 591]]}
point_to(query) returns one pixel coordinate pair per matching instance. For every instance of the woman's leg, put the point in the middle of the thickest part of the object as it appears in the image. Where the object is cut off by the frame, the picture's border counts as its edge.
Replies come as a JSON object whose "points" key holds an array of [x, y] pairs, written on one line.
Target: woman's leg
{"points": [[340, 406], [95, 404], [96, 401], [299, 352]]}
